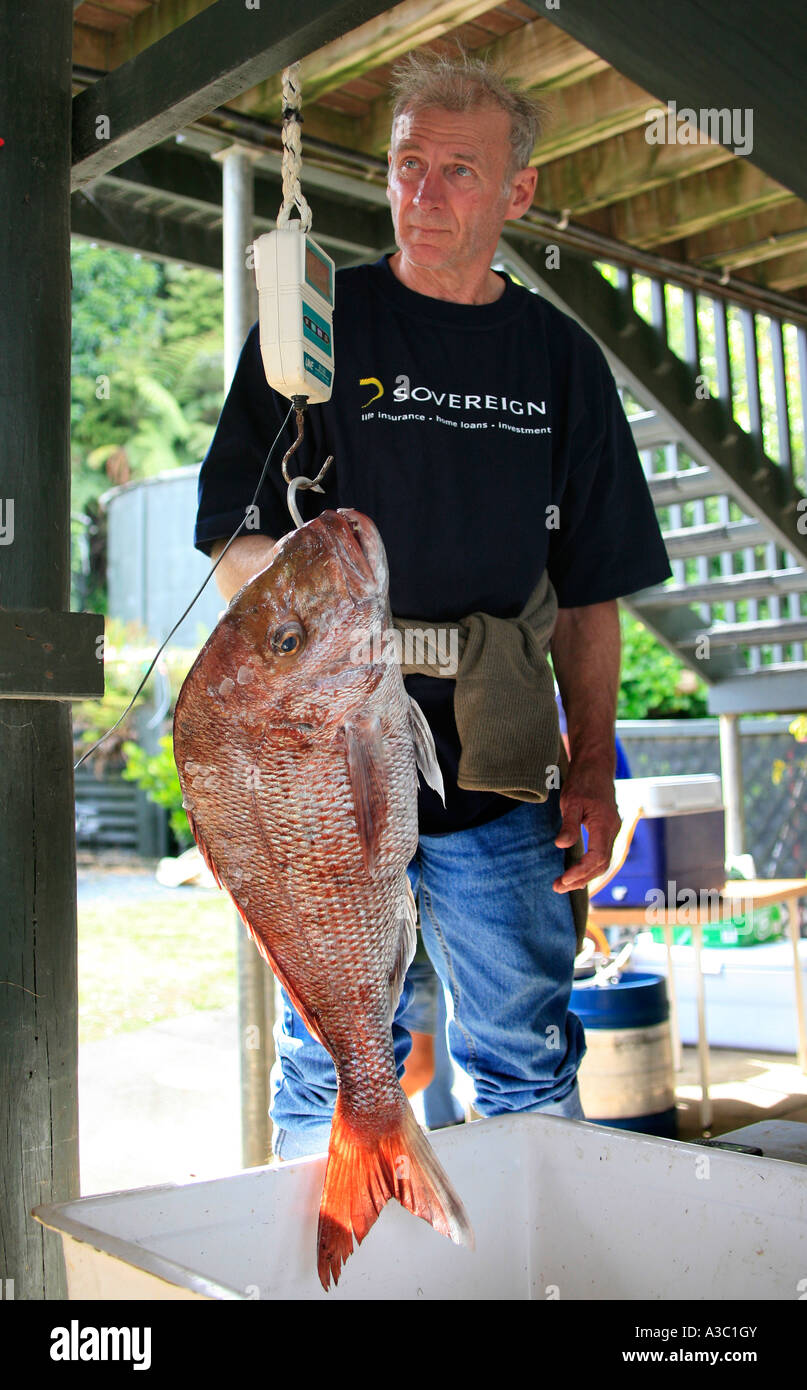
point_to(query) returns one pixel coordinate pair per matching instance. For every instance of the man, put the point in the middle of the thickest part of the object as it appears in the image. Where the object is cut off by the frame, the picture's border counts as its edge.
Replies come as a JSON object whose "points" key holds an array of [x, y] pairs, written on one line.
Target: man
{"points": [[481, 430]]}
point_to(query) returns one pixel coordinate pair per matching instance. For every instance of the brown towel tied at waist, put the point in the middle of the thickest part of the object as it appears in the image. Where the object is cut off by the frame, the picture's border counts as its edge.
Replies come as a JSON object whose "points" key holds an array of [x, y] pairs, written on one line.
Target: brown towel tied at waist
{"points": [[504, 702]]}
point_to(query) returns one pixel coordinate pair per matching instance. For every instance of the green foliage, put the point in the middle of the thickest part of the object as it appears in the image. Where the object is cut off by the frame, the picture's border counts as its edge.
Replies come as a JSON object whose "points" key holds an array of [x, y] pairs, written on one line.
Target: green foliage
{"points": [[127, 655], [147, 381], [147, 385], [115, 303], [157, 774], [655, 684]]}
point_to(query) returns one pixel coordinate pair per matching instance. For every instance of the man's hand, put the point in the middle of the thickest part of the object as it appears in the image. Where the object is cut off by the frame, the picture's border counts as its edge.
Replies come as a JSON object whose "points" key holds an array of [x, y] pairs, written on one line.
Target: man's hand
{"points": [[585, 654], [587, 798]]}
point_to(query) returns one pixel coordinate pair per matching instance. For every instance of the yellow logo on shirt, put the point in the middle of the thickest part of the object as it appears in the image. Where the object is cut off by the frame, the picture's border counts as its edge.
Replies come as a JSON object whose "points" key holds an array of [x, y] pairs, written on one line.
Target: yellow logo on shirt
{"points": [[372, 381]]}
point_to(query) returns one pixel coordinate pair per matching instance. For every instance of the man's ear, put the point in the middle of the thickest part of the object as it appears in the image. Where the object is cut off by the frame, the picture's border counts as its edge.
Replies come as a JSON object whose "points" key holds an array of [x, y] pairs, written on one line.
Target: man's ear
{"points": [[389, 166], [522, 192]]}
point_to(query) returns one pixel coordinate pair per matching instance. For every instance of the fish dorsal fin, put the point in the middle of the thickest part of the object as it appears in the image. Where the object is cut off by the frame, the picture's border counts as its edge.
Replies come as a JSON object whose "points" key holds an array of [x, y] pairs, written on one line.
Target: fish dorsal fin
{"points": [[367, 766], [425, 752], [406, 947]]}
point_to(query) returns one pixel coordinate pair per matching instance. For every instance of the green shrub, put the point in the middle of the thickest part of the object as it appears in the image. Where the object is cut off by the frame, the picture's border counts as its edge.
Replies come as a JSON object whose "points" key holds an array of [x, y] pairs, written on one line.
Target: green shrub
{"points": [[654, 683], [157, 774]]}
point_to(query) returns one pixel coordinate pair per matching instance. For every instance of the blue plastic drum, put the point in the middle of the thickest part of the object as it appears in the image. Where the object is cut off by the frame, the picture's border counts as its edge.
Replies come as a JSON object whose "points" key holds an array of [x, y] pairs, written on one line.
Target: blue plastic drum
{"points": [[626, 1077]]}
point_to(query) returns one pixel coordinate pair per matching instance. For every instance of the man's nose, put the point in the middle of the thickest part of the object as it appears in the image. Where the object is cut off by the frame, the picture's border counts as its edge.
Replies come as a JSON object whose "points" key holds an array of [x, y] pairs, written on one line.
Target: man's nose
{"points": [[429, 191]]}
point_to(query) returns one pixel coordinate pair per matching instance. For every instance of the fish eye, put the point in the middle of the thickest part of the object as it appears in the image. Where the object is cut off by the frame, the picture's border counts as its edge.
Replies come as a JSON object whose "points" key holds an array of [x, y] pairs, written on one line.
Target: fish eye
{"points": [[288, 639]]}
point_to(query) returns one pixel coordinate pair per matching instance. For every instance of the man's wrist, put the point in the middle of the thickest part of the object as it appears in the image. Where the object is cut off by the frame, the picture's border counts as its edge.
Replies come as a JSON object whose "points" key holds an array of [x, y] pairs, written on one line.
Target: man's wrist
{"points": [[595, 752]]}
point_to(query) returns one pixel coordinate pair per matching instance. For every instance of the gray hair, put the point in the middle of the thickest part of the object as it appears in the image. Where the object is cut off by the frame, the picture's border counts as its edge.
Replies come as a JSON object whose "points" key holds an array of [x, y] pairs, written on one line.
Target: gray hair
{"points": [[464, 83]]}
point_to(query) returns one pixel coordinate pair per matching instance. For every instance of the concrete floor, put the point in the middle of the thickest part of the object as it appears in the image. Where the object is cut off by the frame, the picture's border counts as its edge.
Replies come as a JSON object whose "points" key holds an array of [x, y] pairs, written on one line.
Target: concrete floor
{"points": [[744, 1086]]}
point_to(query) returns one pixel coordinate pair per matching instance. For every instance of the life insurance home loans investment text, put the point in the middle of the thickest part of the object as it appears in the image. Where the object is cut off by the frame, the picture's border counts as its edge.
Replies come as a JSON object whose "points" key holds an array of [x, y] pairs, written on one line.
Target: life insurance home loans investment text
{"points": [[457, 424]]}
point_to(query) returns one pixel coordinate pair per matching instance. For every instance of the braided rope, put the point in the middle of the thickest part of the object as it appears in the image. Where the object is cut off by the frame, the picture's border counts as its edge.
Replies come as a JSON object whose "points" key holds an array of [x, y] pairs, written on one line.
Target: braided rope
{"points": [[292, 151]]}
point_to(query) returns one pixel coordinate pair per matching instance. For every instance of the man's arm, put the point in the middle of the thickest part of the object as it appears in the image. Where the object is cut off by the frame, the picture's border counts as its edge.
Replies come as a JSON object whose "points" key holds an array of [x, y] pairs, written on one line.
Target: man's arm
{"points": [[246, 557], [586, 658]]}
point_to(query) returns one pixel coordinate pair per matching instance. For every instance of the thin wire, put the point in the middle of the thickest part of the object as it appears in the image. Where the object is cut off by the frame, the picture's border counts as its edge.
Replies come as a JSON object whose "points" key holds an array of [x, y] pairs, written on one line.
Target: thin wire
{"points": [[181, 619]]}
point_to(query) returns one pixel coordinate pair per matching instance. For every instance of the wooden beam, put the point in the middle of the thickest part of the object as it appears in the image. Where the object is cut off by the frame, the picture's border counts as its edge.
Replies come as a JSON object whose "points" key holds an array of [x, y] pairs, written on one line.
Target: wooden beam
{"points": [[774, 247], [38, 994], [614, 170], [785, 274], [108, 18], [756, 62], [746, 241], [349, 235], [580, 115], [540, 57], [112, 223], [691, 205], [196, 183], [159, 19], [91, 47], [319, 122], [379, 41], [50, 656], [203, 64]]}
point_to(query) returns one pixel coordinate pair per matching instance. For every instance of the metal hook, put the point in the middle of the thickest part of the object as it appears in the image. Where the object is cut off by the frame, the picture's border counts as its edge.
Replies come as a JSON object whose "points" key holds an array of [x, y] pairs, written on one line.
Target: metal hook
{"points": [[299, 407], [301, 483]]}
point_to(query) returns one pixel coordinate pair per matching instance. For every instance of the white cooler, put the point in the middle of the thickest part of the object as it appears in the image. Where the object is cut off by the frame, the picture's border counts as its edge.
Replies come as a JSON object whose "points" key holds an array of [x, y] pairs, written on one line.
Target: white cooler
{"points": [[749, 991], [560, 1209]]}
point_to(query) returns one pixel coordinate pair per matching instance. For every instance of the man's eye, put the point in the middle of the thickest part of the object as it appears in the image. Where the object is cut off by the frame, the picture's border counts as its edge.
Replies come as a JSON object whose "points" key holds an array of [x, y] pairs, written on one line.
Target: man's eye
{"points": [[463, 169]]}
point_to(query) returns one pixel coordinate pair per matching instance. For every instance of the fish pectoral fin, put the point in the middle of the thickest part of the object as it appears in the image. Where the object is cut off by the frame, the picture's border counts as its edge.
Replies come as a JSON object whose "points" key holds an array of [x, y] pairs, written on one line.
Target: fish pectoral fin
{"points": [[367, 766], [406, 947], [425, 752]]}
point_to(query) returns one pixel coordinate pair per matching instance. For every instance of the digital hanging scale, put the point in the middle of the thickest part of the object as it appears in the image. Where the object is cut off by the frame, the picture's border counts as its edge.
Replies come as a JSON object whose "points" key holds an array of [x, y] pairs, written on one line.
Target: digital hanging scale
{"points": [[295, 281]]}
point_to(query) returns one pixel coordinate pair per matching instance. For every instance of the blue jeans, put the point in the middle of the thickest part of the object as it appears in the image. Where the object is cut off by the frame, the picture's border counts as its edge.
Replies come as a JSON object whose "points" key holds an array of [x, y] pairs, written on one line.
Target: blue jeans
{"points": [[427, 1014], [503, 944]]}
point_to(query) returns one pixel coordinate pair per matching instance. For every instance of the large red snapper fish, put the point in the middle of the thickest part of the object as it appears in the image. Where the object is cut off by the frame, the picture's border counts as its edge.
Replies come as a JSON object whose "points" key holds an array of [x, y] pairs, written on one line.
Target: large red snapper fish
{"points": [[297, 748]]}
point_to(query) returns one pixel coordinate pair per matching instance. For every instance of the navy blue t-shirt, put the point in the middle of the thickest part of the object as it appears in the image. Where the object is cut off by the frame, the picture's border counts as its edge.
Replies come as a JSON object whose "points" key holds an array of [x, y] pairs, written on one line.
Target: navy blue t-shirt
{"points": [[487, 443]]}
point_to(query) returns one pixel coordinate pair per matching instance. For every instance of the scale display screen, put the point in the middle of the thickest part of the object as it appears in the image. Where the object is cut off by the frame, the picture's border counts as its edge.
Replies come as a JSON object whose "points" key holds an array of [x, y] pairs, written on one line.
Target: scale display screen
{"points": [[318, 273]]}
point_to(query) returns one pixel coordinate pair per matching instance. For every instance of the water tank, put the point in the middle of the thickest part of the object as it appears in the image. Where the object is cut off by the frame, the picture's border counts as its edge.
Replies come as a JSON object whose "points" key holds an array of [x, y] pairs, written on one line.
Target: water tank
{"points": [[153, 570]]}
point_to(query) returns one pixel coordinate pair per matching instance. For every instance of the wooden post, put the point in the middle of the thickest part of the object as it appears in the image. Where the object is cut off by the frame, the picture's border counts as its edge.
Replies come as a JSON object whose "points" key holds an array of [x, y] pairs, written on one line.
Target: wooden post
{"points": [[255, 980], [38, 997]]}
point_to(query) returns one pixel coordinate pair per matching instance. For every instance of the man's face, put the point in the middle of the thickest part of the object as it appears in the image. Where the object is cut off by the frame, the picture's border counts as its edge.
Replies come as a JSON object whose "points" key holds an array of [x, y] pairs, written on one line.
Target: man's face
{"points": [[446, 175]]}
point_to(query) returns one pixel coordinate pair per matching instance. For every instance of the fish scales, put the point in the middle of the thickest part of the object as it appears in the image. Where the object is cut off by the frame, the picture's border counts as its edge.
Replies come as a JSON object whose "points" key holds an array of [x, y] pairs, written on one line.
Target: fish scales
{"points": [[297, 749]]}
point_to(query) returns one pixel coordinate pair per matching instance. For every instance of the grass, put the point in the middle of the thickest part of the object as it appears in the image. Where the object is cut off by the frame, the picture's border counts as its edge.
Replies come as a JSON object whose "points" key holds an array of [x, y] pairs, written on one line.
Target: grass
{"points": [[143, 962]]}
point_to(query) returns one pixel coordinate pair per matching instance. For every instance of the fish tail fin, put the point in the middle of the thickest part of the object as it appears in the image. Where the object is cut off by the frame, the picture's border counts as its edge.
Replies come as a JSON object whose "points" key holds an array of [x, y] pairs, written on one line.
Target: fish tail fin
{"points": [[364, 1173]]}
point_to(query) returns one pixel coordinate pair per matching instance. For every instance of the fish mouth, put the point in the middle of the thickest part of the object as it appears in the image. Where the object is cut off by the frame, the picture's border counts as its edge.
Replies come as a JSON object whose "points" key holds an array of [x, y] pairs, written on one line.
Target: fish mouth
{"points": [[360, 551]]}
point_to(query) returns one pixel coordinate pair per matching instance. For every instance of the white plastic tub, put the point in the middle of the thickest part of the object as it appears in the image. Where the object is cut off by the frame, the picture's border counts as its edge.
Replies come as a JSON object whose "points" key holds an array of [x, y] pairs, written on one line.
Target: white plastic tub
{"points": [[669, 796], [560, 1209]]}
